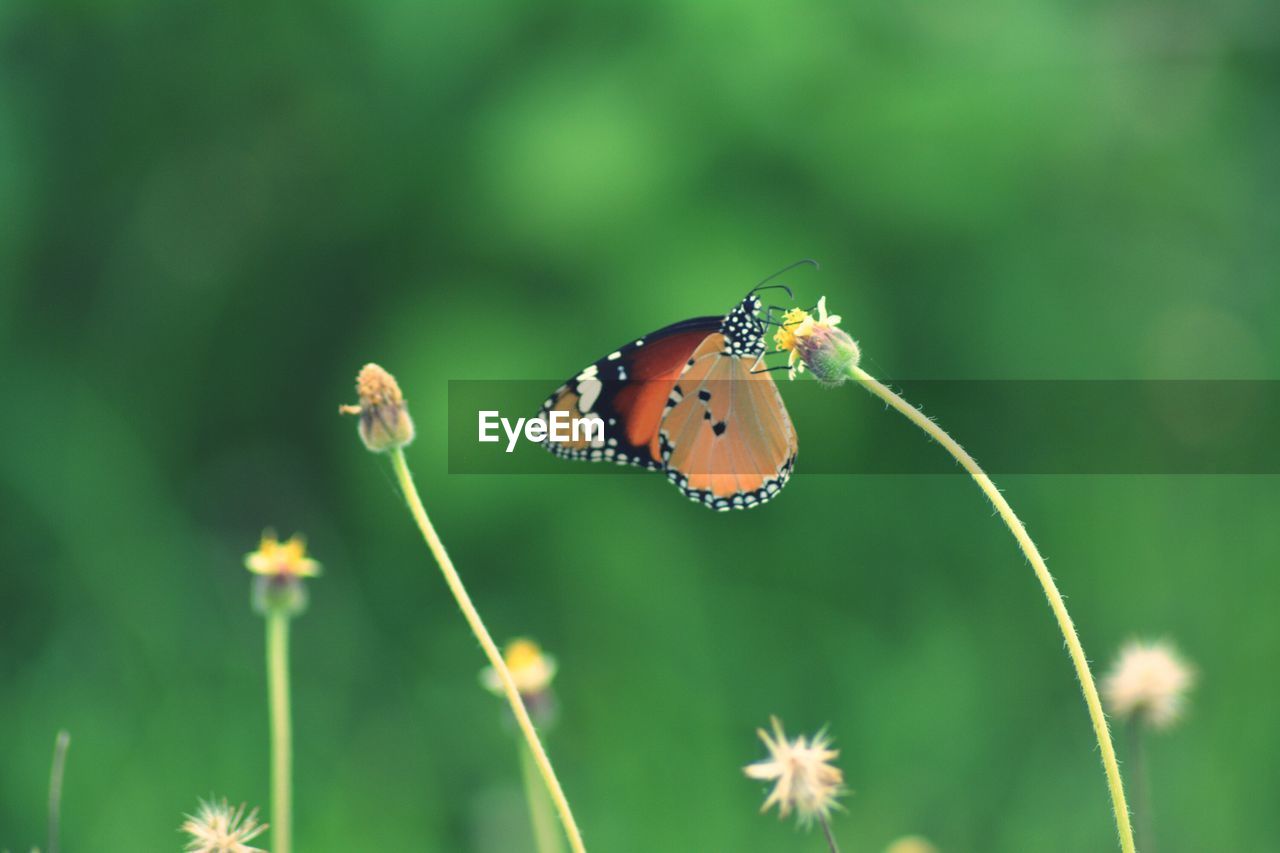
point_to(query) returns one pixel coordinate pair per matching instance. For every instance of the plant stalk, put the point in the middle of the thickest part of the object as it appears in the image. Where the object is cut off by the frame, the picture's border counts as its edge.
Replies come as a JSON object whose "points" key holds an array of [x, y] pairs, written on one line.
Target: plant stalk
{"points": [[826, 830], [56, 774], [281, 730], [1143, 817], [478, 628], [1078, 659], [541, 814]]}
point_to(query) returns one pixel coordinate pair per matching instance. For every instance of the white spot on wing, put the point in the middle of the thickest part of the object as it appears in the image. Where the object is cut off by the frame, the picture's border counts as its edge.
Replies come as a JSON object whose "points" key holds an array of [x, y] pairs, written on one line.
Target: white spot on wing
{"points": [[588, 391]]}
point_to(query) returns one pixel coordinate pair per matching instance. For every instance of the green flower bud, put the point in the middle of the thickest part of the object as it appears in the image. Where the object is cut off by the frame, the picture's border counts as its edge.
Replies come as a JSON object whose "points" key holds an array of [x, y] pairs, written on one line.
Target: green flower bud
{"points": [[276, 593], [829, 353]]}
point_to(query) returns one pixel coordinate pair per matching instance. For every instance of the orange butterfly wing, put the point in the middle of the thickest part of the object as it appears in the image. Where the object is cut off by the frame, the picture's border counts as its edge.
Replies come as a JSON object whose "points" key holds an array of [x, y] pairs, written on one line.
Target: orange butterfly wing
{"points": [[628, 390], [726, 438], [687, 399]]}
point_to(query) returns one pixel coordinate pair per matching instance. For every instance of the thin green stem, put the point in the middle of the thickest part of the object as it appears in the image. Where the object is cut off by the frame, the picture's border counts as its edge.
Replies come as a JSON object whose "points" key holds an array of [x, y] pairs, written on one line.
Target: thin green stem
{"points": [[1078, 659], [281, 731], [546, 837], [826, 830], [56, 773], [1143, 817], [472, 616]]}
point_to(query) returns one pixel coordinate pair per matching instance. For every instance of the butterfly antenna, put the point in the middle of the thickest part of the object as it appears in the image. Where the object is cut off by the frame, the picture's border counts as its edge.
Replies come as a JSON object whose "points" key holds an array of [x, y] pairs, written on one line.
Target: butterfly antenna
{"points": [[787, 268], [759, 288]]}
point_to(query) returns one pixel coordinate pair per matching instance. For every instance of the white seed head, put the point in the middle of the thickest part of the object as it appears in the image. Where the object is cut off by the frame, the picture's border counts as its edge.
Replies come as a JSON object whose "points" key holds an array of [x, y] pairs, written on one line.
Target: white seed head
{"points": [[216, 827], [1149, 682], [805, 780]]}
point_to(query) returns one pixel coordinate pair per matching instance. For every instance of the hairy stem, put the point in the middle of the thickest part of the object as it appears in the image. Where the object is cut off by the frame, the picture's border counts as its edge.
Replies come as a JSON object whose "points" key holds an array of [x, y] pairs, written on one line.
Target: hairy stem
{"points": [[1078, 659], [56, 773], [281, 731], [542, 762]]}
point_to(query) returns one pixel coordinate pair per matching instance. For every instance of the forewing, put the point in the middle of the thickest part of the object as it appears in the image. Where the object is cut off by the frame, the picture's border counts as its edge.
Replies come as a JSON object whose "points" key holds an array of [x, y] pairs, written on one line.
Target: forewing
{"points": [[628, 391]]}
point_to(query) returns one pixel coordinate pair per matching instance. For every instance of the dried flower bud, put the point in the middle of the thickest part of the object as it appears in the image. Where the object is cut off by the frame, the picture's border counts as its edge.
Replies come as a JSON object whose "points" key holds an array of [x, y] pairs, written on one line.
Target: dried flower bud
{"points": [[827, 351], [384, 415]]}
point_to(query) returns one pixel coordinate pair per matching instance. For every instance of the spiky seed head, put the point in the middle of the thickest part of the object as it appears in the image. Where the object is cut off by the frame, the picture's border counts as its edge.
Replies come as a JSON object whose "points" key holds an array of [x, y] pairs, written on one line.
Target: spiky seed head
{"points": [[217, 827], [1149, 683], [805, 780]]}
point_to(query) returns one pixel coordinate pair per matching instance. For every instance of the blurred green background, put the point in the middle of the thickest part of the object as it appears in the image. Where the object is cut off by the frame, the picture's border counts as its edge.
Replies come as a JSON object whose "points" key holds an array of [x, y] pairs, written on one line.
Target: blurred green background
{"points": [[214, 213]]}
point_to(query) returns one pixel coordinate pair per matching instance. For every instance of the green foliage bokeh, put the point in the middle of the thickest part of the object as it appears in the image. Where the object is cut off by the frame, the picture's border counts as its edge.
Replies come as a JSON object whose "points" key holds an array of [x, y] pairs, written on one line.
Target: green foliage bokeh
{"points": [[216, 212]]}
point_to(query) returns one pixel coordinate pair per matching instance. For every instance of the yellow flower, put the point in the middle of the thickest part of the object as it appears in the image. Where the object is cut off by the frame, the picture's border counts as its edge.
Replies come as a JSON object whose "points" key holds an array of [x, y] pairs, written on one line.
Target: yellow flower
{"points": [[218, 828], [805, 779], [282, 559], [531, 668], [1148, 681], [815, 343], [911, 844], [792, 322]]}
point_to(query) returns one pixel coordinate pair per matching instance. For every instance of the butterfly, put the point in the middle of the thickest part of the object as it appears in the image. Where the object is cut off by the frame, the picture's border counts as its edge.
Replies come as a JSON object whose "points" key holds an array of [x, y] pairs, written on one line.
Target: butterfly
{"points": [[690, 400]]}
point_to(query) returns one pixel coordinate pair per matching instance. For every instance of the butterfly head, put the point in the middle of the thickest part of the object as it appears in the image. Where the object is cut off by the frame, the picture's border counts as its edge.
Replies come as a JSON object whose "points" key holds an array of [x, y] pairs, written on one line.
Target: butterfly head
{"points": [[743, 329]]}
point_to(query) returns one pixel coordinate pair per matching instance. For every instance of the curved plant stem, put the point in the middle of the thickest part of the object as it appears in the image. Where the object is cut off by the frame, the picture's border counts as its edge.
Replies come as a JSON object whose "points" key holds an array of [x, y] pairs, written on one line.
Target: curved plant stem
{"points": [[281, 731], [56, 773], [490, 648], [826, 830], [546, 838], [1087, 686]]}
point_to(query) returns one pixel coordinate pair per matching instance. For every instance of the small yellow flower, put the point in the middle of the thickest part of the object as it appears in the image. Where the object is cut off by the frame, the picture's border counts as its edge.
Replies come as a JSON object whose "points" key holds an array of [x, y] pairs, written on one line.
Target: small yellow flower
{"points": [[1149, 681], [531, 668], [805, 779], [282, 559], [816, 344], [218, 828], [797, 320]]}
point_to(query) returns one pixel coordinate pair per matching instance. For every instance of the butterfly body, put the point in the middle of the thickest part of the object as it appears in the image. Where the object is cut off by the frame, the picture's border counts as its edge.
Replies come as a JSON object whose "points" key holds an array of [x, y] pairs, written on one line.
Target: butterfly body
{"points": [[689, 400]]}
